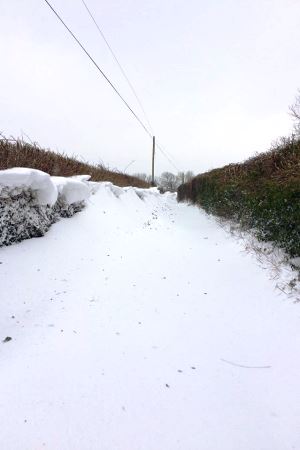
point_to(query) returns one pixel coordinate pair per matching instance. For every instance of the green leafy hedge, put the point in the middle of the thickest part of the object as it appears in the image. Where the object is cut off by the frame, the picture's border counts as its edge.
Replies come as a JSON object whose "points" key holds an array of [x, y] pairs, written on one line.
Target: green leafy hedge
{"points": [[262, 193]]}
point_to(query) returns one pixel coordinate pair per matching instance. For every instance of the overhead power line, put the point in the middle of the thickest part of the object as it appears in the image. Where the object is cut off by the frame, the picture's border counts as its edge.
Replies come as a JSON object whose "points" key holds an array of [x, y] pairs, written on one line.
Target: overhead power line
{"points": [[166, 156], [119, 64], [107, 79], [163, 151], [98, 68]]}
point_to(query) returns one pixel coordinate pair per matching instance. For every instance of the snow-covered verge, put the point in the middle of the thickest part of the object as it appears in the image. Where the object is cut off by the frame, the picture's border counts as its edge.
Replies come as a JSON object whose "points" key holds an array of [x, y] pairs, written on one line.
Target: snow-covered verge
{"points": [[283, 269], [31, 201]]}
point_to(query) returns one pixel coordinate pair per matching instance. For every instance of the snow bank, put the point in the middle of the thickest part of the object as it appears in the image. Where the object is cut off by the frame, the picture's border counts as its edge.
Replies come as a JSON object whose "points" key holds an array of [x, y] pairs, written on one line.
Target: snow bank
{"points": [[31, 201], [92, 185], [71, 190], [16, 180]]}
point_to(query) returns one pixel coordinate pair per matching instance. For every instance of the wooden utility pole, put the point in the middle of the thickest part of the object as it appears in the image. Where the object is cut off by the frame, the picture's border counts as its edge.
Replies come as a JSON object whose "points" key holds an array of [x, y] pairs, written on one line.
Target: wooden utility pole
{"points": [[153, 155]]}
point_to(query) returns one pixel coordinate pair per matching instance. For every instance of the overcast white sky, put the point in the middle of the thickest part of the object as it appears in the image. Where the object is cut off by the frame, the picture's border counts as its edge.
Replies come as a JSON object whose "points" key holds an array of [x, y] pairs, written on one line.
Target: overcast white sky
{"points": [[215, 77]]}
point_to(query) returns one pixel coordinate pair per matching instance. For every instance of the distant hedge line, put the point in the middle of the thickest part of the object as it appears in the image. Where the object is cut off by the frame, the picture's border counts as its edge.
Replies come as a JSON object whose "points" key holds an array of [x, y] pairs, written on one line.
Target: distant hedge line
{"points": [[16, 153], [262, 193]]}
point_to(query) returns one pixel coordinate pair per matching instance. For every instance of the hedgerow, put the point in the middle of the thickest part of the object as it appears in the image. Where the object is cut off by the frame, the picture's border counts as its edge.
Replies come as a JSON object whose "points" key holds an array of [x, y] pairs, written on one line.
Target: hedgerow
{"points": [[263, 194], [16, 153]]}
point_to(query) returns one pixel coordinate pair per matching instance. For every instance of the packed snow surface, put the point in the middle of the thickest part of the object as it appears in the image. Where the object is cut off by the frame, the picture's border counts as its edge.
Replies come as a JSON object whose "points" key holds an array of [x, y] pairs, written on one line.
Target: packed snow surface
{"points": [[139, 324]]}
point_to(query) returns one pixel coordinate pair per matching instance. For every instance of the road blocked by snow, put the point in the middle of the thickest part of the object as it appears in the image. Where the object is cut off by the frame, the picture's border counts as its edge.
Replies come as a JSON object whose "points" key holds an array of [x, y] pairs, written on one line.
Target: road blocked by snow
{"points": [[139, 324]]}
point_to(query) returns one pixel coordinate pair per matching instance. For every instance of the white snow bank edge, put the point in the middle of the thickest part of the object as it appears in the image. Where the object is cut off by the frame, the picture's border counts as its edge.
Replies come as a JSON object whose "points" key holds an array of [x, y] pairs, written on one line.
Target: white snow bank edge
{"points": [[45, 189]]}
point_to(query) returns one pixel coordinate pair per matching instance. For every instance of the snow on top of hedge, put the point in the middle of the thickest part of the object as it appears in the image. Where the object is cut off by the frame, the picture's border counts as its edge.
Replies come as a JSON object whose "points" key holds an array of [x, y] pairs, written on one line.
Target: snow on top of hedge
{"points": [[44, 187], [40, 183], [72, 190]]}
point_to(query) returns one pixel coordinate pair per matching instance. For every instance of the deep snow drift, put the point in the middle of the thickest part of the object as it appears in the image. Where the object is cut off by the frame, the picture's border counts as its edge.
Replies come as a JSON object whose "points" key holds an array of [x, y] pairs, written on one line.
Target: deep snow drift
{"points": [[31, 201], [139, 324]]}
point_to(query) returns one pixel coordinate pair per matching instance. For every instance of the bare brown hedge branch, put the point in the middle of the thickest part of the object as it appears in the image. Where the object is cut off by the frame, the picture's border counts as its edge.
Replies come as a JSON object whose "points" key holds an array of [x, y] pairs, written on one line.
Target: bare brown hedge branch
{"points": [[17, 153]]}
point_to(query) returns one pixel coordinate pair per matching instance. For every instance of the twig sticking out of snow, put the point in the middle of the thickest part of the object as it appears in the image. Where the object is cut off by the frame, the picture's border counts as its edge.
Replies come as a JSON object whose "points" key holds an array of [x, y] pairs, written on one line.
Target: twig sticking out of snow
{"points": [[243, 366]]}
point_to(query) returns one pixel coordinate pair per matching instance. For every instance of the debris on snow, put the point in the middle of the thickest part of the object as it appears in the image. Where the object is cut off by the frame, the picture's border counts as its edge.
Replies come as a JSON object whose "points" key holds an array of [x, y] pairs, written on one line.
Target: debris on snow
{"points": [[244, 366]]}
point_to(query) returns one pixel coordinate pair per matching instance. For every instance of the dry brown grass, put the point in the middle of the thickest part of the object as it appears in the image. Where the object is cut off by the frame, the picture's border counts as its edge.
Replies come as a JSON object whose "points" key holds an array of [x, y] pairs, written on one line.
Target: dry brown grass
{"points": [[17, 153], [281, 163]]}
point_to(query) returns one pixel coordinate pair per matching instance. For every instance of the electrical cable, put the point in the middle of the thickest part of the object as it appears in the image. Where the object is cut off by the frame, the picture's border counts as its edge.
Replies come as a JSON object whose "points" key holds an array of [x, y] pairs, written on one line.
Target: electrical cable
{"points": [[98, 68], [164, 152], [119, 65], [107, 79], [168, 157]]}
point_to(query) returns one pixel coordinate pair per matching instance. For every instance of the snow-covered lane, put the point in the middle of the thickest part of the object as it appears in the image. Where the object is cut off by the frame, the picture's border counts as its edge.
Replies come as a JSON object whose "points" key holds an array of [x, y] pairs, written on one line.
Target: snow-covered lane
{"points": [[122, 320]]}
